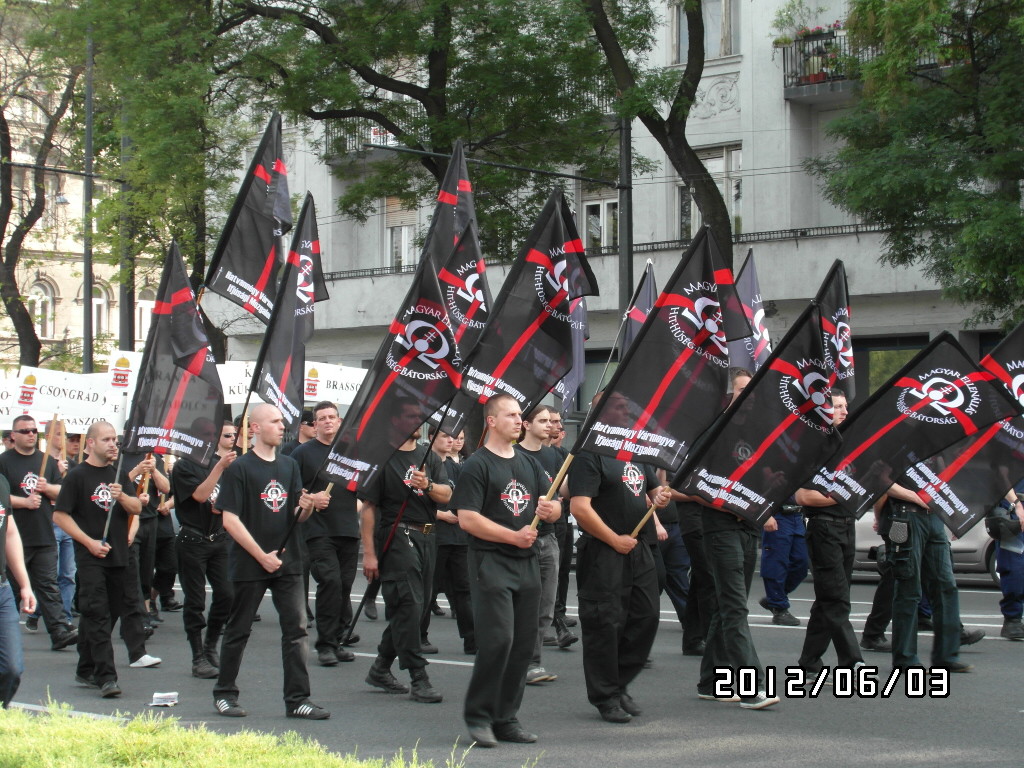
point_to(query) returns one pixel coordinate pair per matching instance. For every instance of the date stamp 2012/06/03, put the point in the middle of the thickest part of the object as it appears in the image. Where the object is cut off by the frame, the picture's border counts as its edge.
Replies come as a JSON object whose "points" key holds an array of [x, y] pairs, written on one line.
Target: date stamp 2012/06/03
{"points": [[862, 681]]}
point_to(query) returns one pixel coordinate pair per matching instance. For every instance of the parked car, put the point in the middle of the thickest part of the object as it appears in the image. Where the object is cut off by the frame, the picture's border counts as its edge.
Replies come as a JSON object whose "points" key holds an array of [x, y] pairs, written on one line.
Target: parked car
{"points": [[974, 553]]}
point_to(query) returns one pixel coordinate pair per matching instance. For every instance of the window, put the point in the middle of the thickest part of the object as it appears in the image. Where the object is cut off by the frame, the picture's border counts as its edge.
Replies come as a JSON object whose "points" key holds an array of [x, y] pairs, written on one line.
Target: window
{"points": [[40, 305], [100, 312], [721, 29], [602, 222], [144, 306], [400, 226], [725, 165]]}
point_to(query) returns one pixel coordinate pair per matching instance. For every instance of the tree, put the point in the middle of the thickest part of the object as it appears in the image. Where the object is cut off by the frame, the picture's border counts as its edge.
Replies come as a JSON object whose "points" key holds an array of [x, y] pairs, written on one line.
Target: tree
{"points": [[514, 80], [932, 149], [661, 98], [35, 95]]}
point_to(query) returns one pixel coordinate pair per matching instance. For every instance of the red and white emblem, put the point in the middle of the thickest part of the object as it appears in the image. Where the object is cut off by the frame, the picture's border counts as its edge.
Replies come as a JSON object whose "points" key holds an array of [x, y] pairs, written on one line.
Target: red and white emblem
{"points": [[29, 483], [516, 498], [274, 496], [408, 480], [102, 497], [633, 478]]}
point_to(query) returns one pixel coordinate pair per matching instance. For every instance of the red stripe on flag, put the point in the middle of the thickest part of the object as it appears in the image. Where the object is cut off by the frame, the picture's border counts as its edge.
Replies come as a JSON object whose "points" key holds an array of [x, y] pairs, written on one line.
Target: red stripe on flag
{"points": [[383, 390], [506, 361], [279, 167], [723, 276], [574, 246], [538, 257], [996, 369], [752, 459], [949, 472], [261, 173], [637, 314], [176, 401], [261, 284], [447, 197], [465, 186]]}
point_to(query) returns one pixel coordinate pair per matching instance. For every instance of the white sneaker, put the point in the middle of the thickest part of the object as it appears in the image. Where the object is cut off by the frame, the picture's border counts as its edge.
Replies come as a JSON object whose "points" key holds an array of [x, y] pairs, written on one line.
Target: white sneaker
{"points": [[724, 699], [537, 675], [145, 661], [760, 701]]}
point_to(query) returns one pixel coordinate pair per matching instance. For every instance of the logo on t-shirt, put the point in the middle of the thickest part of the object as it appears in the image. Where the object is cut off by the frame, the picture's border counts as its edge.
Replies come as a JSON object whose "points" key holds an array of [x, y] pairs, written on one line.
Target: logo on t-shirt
{"points": [[408, 480], [214, 494], [102, 497], [516, 497], [274, 496], [633, 478], [29, 483]]}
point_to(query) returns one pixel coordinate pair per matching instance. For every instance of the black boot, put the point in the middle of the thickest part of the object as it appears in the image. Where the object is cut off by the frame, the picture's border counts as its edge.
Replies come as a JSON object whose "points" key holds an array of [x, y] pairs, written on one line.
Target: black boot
{"points": [[566, 637], [380, 676], [422, 690], [210, 645], [201, 667]]}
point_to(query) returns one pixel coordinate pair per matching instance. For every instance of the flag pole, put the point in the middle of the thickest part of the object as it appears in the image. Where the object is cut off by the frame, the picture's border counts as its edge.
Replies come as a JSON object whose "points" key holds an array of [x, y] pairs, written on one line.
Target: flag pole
{"points": [[554, 487], [110, 514], [49, 439], [63, 441], [643, 522]]}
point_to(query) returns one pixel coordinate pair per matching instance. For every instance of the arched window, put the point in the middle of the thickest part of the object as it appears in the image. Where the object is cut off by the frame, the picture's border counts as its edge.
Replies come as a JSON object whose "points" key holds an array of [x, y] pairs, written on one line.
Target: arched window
{"points": [[100, 311], [144, 306], [40, 305]]}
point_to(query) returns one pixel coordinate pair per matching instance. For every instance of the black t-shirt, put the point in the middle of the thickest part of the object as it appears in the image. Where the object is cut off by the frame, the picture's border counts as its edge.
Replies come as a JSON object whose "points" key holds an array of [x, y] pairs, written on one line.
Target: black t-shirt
{"points": [[617, 489], [339, 518], [289, 448], [5, 507], [551, 462], [264, 495], [502, 490], [85, 495], [186, 477], [22, 473], [451, 534], [390, 489], [669, 514]]}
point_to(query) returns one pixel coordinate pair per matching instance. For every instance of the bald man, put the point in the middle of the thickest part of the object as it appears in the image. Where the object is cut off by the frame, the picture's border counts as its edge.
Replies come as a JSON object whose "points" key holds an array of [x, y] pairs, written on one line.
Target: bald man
{"points": [[260, 493]]}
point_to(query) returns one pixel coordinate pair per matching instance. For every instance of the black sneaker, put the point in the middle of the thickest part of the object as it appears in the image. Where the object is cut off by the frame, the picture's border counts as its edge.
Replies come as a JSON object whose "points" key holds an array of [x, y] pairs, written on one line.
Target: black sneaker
{"points": [[784, 618], [110, 689], [344, 654], [63, 639], [229, 708], [427, 647], [32, 623], [970, 636], [615, 714], [1013, 629], [350, 640], [88, 682], [878, 644], [327, 658], [924, 623], [307, 710], [171, 605]]}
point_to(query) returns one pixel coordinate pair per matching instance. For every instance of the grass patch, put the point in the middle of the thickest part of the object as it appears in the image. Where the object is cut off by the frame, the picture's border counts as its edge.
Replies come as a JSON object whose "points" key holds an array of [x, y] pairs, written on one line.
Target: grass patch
{"points": [[149, 741]]}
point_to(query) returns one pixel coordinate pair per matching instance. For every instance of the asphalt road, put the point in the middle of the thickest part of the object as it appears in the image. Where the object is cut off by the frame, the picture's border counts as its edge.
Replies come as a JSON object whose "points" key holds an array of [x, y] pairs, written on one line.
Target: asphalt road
{"points": [[977, 724]]}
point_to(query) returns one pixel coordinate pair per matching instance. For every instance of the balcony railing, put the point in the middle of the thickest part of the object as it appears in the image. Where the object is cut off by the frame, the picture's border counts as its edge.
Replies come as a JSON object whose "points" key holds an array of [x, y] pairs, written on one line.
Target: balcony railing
{"points": [[827, 56]]}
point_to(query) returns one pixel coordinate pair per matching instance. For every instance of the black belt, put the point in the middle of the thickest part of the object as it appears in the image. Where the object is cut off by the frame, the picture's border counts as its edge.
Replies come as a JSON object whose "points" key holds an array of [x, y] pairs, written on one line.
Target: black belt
{"points": [[790, 509], [902, 506], [828, 516], [424, 528], [188, 530]]}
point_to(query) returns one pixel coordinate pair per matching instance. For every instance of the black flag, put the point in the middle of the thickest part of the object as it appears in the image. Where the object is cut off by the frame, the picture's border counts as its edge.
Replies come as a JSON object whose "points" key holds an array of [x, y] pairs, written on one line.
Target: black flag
{"points": [[570, 384], [834, 299], [671, 383], [453, 213], [644, 296], [179, 402], [962, 482], [527, 345], [750, 352], [245, 265], [938, 398], [773, 437], [281, 366], [415, 372]]}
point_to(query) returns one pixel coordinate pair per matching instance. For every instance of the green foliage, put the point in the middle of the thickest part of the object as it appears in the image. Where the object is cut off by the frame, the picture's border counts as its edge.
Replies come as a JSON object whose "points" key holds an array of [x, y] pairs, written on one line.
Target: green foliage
{"points": [[157, 742], [932, 148]]}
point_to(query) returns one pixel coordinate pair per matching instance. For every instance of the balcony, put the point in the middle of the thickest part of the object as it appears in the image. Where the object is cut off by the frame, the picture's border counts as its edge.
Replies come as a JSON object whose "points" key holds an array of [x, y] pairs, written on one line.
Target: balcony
{"points": [[823, 68]]}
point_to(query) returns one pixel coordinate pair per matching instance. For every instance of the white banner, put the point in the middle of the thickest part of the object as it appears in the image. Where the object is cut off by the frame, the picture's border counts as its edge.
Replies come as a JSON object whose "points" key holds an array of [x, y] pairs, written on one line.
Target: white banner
{"points": [[323, 381]]}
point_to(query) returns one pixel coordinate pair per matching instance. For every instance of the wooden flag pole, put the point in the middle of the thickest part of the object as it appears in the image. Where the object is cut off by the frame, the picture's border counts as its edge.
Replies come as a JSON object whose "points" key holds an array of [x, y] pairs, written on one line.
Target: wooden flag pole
{"points": [[554, 487], [143, 486], [110, 514], [63, 441], [49, 438], [245, 432], [643, 521]]}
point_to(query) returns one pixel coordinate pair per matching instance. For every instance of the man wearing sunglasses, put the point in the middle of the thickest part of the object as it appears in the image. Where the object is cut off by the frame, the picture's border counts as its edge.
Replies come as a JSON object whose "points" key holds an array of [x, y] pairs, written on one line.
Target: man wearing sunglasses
{"points": [[33, 491], [203, 546]]}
